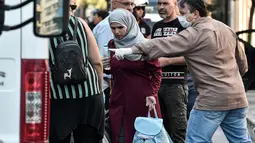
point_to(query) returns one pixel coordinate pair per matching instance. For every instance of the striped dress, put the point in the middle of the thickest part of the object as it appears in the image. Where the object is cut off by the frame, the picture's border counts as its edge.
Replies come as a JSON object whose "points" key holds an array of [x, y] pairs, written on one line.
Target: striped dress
{"points": [[73, 105], [89, 87]]}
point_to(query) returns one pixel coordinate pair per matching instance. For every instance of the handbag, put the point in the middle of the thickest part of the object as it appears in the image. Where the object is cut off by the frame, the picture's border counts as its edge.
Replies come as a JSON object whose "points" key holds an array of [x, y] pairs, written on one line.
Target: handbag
{"points": [[150, 130]]}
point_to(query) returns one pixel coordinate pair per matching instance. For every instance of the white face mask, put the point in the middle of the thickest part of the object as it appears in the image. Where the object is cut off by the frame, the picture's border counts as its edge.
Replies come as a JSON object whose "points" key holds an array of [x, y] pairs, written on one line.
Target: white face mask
{"points": [[184, 22]]}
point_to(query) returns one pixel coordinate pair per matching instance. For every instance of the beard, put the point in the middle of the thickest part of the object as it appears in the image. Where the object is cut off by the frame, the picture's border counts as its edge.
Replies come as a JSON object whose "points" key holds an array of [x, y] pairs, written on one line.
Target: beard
{"points": [[164, 16], [163, 13]]}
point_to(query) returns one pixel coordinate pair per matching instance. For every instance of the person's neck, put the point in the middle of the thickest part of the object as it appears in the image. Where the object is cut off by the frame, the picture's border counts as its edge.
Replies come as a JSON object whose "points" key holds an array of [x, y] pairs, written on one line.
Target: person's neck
{"points": [[170, 18], [138, 20], [71, 13]]}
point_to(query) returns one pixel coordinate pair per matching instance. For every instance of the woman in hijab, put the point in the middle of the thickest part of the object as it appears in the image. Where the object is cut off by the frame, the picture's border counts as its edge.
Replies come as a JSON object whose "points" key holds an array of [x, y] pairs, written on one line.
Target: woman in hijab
{"points": [[135, 83]]}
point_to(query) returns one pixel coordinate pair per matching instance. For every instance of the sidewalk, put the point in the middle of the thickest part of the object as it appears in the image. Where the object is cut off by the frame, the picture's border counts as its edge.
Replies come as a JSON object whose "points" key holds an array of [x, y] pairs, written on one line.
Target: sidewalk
{"points": [[251, 98], [251, 114]]}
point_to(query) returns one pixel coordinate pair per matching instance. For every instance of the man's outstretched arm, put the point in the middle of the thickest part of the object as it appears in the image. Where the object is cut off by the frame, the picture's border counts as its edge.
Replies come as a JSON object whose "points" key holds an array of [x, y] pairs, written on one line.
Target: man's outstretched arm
{"points": [[165, 61], [174, 46]]}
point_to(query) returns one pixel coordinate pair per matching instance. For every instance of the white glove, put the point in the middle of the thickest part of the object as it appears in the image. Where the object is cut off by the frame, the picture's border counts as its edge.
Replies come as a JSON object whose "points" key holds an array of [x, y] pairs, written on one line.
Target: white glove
{"points": [[119, 53]]}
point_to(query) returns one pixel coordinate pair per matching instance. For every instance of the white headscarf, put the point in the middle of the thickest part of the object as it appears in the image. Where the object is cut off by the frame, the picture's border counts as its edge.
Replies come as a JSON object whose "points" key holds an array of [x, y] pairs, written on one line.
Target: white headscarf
{"points": [[133, 34]]}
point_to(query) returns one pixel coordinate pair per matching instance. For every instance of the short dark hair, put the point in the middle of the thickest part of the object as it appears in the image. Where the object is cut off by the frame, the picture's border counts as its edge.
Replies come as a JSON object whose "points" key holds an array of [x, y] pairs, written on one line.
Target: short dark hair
{"points": [[101, 13], [198, 5]]}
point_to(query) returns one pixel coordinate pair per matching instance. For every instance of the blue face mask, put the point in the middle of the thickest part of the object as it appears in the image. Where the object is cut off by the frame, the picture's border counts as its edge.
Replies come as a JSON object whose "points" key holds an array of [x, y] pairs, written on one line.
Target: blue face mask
{"points": [[184, 22]]}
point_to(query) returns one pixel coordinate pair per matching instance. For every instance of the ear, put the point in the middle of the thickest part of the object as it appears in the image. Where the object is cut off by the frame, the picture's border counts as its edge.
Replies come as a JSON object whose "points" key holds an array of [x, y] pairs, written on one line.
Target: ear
{"points": [[114, 4], [196, 14]]}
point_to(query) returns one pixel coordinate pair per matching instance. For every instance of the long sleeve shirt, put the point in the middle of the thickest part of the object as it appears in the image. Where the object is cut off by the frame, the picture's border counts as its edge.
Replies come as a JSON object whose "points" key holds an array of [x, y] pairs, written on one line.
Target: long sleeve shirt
{"points": [[103, 35], [214, 58]]}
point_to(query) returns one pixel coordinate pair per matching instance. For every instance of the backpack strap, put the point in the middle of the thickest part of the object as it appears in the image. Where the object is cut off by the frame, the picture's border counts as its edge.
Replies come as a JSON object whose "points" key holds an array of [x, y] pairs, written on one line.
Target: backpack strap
{"points": [[64, 37], [75, 38], [75, 29]]}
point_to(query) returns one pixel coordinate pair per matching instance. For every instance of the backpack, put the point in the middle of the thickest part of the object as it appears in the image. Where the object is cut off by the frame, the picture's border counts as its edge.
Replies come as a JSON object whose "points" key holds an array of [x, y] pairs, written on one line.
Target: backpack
{"points": [[150, 130], [68, 66]]}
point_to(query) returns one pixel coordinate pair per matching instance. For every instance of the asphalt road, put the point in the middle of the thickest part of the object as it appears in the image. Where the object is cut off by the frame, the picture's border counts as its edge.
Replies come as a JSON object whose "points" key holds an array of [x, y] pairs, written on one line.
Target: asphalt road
{"points": [[251, 114]]}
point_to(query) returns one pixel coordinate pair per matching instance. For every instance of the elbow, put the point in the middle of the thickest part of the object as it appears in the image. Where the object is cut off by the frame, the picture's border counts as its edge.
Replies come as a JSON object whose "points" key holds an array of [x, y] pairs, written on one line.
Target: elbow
{"points": [[243, 72], [244, 69], [97, 64], [100, 64]]}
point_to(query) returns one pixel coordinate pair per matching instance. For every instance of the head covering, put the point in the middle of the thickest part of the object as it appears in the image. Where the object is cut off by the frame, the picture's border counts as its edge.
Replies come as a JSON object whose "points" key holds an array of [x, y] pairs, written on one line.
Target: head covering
{"points": [[199, 5], [133, 34], [141, 3]]}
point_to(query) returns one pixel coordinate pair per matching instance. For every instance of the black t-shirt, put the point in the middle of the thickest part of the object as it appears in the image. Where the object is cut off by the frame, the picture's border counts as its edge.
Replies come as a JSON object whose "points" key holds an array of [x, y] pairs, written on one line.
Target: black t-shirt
{"points": [[144, 28], [173, 73]]}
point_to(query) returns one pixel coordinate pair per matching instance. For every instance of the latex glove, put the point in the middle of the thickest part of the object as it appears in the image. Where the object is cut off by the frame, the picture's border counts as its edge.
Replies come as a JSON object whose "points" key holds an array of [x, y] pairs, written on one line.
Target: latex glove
{"points": [[150, 102], [119, 53], [106, 62]]}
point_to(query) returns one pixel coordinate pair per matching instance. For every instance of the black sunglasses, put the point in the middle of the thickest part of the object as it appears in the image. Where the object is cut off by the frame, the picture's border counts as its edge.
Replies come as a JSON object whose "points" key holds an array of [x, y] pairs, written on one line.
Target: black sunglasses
{"points": [[73, 6]]}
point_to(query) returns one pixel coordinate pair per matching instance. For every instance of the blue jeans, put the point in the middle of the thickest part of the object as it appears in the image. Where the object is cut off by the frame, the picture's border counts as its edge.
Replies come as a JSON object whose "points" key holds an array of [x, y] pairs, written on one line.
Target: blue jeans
{"points": [[203, 124]]}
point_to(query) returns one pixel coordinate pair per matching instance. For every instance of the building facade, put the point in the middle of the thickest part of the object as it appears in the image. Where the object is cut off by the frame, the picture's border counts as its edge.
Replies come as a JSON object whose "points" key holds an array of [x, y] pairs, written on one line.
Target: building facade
{"points": [[235, 13], [51, 11]]}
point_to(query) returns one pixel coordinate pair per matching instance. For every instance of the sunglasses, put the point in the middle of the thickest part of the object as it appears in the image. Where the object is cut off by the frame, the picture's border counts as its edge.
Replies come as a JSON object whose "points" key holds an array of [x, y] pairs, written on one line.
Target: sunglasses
{"points": [[73, 6]]}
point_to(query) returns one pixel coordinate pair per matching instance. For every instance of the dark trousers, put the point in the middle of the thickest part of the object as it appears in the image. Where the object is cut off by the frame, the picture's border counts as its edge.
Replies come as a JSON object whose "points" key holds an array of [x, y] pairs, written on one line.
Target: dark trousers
{"points": [[192, 95], [107, 98], [82, 134], [173, 104]]}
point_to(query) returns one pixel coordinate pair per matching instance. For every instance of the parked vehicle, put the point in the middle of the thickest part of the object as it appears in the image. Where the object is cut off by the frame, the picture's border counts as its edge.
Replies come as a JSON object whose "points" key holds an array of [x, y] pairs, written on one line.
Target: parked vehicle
{"points": [[24, 70]]}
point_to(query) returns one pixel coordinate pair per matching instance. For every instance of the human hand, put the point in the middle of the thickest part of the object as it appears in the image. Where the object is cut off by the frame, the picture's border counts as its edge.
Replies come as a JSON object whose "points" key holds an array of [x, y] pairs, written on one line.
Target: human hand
{"points": [[150, 101], [119, 53]]}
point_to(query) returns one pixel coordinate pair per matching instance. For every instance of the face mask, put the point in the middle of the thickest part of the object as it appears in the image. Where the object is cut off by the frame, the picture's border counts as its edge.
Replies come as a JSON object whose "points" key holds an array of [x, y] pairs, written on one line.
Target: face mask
{"points": [[190, 15], [184, 22]]}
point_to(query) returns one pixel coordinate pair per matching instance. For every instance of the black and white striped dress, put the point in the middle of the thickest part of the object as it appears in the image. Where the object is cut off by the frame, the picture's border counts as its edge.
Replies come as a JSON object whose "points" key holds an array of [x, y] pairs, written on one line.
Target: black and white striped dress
{"points": [[75, 104]]}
